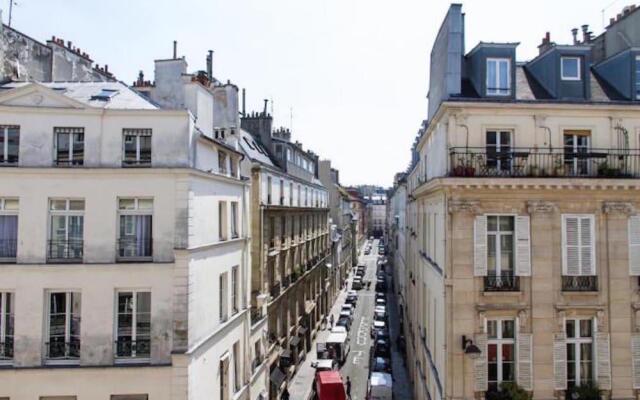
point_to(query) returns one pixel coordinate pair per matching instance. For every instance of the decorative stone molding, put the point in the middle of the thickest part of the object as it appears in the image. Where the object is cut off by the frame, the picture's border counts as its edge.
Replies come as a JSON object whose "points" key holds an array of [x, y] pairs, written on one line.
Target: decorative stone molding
{"points": [[481, 317], [622, 207], [541, 207], [560, 321], [602, 321], [523, 320], [464, 206]]}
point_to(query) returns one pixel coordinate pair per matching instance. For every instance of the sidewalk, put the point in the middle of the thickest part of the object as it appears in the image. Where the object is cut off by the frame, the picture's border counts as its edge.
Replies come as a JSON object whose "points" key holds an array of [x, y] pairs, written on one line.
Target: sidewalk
{"points": [[402, 388], [300, 385]]}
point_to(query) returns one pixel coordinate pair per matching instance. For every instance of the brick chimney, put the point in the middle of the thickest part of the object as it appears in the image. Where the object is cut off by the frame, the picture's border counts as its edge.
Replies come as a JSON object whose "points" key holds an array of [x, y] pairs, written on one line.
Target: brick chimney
{"points": [[546, 43]]}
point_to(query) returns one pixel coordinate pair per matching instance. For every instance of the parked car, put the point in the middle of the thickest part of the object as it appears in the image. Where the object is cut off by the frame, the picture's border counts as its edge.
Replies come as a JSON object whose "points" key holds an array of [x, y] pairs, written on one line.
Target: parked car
{"points": [[380, 296], [352, 297], [356, 284], [381, 302], [380, 386], [381, 286], [346, 314], [381, 348], [329, 386], [381, 364], [377, 325], [348, 307], [325, 365], [383, 334], [344, 321], [360, 273], [379, 316], [367, 252], [338, 329]]}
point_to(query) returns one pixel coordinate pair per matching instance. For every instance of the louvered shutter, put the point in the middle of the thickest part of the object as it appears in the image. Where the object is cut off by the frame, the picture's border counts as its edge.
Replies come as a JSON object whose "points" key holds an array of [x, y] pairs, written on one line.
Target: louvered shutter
{"points": [[480, 364], [480, 246], [603, 360], [525, 360], [587, 246], [570, 246], [635, 359], [559, 362], [523, 246], [634, 245]]}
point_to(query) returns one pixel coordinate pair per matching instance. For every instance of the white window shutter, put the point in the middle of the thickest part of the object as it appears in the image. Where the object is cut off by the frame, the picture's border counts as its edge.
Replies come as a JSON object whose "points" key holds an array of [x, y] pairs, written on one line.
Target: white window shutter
{"points": [[587, 246], [525, 360], [570, 246], [603, 360], [523, 246], [635, 359], [480, 246], [634, 245], [480, 364], [559, 362]]}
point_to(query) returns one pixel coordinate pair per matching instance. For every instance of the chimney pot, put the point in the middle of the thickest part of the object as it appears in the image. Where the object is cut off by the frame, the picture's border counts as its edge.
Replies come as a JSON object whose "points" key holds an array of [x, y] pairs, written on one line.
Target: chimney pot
{"points": [[106, 68], [574, 32], [612, 21], [69, 44], [175, 49], [265, 106]]}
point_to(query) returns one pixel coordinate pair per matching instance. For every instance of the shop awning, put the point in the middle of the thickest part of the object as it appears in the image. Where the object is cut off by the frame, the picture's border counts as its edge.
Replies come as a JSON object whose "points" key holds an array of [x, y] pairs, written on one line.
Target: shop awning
{"points": [[277, 377]]}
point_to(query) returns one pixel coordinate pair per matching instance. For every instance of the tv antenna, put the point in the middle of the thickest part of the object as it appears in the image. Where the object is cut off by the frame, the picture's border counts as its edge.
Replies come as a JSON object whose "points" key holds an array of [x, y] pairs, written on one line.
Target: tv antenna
{"points": [[11, 4], [605, 8]]}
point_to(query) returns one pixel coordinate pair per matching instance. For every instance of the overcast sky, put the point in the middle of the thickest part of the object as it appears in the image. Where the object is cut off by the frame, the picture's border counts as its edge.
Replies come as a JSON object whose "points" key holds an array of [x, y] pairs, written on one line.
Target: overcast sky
{"points": [[354, 72]]}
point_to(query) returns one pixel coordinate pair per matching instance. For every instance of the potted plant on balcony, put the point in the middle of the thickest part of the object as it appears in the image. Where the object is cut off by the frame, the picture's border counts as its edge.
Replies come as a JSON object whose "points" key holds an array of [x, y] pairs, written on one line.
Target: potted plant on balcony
{"points": [[586, 391]]}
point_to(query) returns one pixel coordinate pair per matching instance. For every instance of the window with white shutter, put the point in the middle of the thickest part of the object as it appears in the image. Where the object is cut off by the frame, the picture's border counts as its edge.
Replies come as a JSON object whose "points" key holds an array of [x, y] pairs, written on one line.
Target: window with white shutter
{"points": [[603, 360], [579, 352], [559, 362], [634, 245], [525, 360], [578, 245], [480, 364], [500, 355], [635, 360], [523, 246], [480, 246]]}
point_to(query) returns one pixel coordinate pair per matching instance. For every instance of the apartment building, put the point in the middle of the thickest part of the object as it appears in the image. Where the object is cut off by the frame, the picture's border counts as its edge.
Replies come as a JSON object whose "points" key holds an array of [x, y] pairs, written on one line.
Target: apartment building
{"points": [[360, 215], [522, 218], [396, 240], [291, 270]]}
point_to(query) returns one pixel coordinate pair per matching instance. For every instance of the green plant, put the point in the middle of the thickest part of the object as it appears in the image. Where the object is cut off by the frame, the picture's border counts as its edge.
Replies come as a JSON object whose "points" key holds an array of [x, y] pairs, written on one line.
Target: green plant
{"points": [[586, 391], [509, 391]]}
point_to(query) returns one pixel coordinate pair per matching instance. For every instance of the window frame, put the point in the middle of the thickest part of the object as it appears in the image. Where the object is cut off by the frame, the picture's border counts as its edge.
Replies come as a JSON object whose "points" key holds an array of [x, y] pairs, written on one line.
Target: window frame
{"points": [[576, 341], [578, 69], [235, 220], [4, 212], [223, 221], [499, 341], [67, 334], [496, 90], [636, 71], [4, 131], [136, 211], [134, 326], [223, 309], [67, 213], [137, 133], [7, 296], [499, 234], [235, 303], [70, 132]]}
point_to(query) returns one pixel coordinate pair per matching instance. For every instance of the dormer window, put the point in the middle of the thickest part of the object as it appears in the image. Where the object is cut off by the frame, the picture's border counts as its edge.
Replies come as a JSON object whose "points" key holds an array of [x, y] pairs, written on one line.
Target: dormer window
{"points": [[498, 77], [637, 70], [570, 68]]}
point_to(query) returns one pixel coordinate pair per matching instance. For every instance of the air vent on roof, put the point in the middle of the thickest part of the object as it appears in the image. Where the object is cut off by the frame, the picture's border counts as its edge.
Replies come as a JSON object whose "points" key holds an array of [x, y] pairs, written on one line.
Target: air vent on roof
{"points": [[105, 95], [59, 89]]}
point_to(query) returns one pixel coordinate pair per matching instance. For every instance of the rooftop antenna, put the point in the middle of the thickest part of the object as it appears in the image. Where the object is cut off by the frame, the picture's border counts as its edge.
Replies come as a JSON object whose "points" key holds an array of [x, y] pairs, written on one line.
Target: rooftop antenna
{"points": [[11, 4], [272, 106], [605, 8], [291, 119]]}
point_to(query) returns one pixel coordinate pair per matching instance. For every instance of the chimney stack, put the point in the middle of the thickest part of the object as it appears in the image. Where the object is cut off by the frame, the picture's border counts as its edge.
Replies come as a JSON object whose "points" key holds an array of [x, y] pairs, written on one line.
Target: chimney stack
{"points": [[264, 112], [574, 32], [244, 101], [210, 65], [175, 49], [586, 35], [546, 43]]}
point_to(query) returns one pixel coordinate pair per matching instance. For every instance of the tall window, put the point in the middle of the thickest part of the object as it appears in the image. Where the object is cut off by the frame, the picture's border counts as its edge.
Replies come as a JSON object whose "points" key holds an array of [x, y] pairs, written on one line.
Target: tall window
{"points": [[224, 378], [237, 378], [233, 167], [500, 246], [578, 240], [501, 352], [637, 77], [137, 147], [570, 68], [234, 220], [133, 325], [498, 76], [272, 232], [306, 196], [281, 192], [222, 162], [498, 150], [579, 351], [283, 229], [224, 294], [222, 220], [69, 146], [576, 147], [299, 197], [6, 326], [291, 194], [63, 327], [235, 307], [9, 144], [66, 229], [8, 229], [268, 190], [136, 228]]}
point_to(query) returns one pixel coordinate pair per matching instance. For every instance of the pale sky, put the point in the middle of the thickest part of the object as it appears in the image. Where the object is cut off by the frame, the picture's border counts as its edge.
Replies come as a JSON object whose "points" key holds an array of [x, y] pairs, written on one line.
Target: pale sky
{"points": [[354, 72]]}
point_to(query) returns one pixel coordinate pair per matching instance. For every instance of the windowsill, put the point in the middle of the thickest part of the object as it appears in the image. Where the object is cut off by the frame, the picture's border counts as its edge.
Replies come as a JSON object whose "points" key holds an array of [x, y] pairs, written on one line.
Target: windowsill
{"points": [[62, 362], [8, 164], [65, 261], [129, 361], [8, 260], [143, 165], [514, 293], [134, 259]]}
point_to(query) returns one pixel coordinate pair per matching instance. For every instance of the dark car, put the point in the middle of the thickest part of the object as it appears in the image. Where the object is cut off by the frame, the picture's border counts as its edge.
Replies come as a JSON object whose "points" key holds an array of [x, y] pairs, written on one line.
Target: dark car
{"points": [[381, 348], [351, 299], [383, 334], [381, 286], [344, 321], [381, 364], [360, 273], [380, 296]]}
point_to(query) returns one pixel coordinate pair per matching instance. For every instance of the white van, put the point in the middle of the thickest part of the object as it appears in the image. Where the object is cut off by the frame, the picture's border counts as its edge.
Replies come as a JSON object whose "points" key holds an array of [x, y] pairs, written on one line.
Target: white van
{"points": [[380, 386]]}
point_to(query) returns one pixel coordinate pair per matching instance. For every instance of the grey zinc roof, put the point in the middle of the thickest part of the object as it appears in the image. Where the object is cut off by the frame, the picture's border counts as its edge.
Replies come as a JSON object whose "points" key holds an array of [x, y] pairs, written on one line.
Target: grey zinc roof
{"points": [[252, 149], [124, 98]]}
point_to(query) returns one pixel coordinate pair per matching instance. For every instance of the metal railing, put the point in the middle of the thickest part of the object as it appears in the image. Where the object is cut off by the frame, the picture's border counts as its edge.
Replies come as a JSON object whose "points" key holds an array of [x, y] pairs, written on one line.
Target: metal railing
{"points": [[6, 349], [256, 314], [8, 248], [127, 348], [275, 289], [256, 362], [65, 250], [63, 350], [135, 248], [132, 162], [587, 283], [505, 282], [544, 162]]}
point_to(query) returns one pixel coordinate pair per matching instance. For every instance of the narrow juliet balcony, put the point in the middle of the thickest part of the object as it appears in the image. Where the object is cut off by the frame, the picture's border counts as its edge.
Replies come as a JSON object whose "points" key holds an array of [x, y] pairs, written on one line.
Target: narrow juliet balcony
{"points": [[504, 282], [587, 283], [544, 162]]}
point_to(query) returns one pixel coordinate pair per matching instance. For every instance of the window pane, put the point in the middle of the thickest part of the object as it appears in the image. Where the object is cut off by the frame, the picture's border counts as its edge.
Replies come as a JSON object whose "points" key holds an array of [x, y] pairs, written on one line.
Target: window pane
{"points": [[57, 205], [508, 329], [506, 224], [13, 137], [571, 328], [58, 228], [492, 352], [506, 253], [76, 205], [504, 76], [507, 352], [493, 371], [127, 204], [11, 204], [145, 148], [586, 352], [492, 224], [491, 75], [491, 139], [78, 147], [585, 328], [491, 253], [570, 67], [62, 147], [145, 204], [130, 147], [508, 372]]}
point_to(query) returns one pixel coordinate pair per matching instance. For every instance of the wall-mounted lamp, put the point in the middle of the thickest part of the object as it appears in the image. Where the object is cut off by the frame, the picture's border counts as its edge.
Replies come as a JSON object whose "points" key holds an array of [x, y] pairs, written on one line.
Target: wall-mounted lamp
{"points": [[469, 348]]}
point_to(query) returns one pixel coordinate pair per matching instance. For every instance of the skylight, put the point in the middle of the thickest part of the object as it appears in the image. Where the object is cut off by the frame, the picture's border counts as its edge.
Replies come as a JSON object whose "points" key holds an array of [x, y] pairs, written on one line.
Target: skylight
{"points": [[105, 94]]}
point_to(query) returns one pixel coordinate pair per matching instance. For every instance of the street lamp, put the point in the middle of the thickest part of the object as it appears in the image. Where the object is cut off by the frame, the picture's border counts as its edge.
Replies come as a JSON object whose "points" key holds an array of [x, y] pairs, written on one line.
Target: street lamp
{"points": [[469, 348]]}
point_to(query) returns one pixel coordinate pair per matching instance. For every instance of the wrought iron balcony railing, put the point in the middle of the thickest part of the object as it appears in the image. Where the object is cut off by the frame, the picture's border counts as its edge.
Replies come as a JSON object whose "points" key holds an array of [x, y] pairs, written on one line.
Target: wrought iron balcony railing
{"points": [[59, 350], [505, 282], [544, 162], [8, 249], [275, 289], [125, 347], [6, 349], [587, 283], [256, 315], [135, 248], [65, 250]]}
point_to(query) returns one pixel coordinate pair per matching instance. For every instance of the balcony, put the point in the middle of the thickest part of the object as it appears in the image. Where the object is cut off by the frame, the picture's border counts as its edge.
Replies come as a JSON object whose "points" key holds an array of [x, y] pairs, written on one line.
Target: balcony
{"points": [[128, 349], [60, 350], [69, 250], [256, 315], [8, 250], [580, 283], [274, 291], [544, 162], [6, 349], [135, 249], [505, 282], [256, 363]]}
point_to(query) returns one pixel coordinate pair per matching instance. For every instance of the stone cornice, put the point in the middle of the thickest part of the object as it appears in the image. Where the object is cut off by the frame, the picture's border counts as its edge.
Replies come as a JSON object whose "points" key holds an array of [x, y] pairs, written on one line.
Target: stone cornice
{"points": [[622, 207], [464, 206], [541, 207]]}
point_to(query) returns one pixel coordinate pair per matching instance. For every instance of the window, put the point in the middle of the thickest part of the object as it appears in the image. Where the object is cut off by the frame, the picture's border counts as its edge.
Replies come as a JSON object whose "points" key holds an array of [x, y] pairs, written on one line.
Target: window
{"points": [[6, 326], [500, 352], [137, 147], [500, 245], [283, 229], [272, 232], [224, 294], [578, 238], [234, 220], [498, 150], [281, 192], [234, 290], [498, 76], [236, 367], [224, 377], [222, 162], [8, 229], [66, 229], [9, 144], [299, 197], [291, 194], [268, 190], [570, 68], [579, 351], [637, 77], [576, 146], [63, 327], [133, 325], [306, 196], [135, 239], [288, 154], [69, 146], [233, 167], [222, 220]]}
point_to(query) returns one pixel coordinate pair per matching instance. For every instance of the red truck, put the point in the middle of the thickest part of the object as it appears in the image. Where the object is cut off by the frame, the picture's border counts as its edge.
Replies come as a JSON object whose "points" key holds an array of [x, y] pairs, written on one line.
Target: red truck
{"points": [[329, 386]]}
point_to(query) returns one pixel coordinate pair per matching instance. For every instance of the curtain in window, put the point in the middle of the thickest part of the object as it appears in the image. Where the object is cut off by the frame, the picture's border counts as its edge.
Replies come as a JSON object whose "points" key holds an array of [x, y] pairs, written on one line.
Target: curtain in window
{"points": [[135, 236], [8, 235]]}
